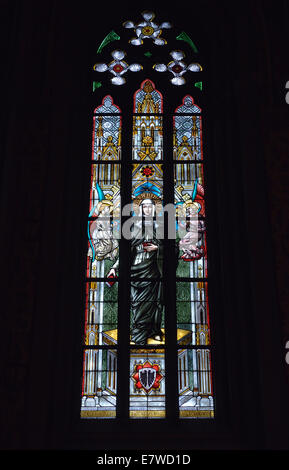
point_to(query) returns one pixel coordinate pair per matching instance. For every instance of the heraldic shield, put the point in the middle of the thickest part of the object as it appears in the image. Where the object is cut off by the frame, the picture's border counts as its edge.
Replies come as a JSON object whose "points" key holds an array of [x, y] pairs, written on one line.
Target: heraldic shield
{"points": [[147, 377]]}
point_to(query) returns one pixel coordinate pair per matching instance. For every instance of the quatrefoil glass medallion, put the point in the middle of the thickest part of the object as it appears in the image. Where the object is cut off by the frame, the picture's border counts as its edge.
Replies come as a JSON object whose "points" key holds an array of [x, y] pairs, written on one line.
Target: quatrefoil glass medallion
{"points": [[178, 68], [117, 67]]}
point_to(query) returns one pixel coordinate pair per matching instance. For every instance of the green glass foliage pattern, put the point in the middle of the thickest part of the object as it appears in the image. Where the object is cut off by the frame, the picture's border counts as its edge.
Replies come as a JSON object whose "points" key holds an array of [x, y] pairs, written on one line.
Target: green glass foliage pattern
{"points": [[112, 36], [185, 37]]}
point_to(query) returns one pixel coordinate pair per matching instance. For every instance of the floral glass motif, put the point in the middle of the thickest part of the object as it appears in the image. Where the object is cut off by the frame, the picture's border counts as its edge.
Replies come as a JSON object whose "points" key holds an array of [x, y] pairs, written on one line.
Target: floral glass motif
{"points": [[178, 68], [118, 67], [147, 29]]}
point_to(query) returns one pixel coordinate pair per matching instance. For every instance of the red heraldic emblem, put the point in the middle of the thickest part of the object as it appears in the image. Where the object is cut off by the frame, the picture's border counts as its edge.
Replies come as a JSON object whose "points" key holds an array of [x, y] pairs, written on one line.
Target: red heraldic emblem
{"points": [[147, 376]]}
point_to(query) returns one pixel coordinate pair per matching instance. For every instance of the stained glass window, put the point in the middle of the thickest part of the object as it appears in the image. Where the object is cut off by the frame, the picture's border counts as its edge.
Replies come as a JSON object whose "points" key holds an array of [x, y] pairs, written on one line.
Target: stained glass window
{"points": [[146, 159]]}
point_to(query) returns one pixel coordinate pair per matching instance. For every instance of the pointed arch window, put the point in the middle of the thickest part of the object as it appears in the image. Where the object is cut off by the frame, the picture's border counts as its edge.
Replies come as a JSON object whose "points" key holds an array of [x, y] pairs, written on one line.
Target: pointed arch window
{"points": [[163, 163]]}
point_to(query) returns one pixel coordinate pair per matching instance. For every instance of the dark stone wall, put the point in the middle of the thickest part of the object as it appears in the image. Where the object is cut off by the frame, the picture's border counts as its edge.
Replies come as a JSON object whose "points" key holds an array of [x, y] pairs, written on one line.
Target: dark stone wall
{"points": [[48, 48]]}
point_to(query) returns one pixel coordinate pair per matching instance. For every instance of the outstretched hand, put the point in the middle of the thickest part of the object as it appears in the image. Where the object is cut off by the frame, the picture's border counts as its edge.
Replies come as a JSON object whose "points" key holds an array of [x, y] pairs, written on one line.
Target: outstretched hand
{"points": [[150, 247], [112, 272]]}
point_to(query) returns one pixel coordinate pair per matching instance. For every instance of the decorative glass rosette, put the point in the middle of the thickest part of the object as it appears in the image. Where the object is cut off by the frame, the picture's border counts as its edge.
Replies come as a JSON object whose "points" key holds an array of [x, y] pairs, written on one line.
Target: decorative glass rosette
{"points": [[178, 68], [147, 29], [117, 67]]}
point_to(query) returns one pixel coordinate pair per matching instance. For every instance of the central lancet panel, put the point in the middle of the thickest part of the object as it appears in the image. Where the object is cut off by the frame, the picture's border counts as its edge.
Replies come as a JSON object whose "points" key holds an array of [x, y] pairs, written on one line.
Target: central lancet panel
{"points": [[147, 364]]}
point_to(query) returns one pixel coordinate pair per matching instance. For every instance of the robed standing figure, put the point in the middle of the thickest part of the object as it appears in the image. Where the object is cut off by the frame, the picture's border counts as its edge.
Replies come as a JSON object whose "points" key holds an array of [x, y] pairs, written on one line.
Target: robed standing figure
{"points": [[146, 270]]}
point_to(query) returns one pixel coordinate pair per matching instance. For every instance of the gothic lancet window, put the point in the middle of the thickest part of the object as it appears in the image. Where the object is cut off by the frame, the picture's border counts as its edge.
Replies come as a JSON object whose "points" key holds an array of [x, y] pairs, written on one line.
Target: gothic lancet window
{"points": [[162, 161]]}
